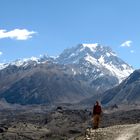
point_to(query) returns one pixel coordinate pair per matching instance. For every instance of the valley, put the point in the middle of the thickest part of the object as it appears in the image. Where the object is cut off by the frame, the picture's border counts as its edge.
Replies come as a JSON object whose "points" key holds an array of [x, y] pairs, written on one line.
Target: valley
{"points": [[62, 123], [52, 98]]}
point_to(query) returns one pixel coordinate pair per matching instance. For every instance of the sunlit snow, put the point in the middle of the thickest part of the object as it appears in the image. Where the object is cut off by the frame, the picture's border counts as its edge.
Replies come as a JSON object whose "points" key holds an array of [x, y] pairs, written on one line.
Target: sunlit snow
{"points": [[92, 47]]}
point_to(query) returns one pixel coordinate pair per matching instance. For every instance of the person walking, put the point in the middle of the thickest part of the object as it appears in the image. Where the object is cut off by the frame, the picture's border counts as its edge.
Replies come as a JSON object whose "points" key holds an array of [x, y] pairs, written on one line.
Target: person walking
{"points": [[97, 110]]}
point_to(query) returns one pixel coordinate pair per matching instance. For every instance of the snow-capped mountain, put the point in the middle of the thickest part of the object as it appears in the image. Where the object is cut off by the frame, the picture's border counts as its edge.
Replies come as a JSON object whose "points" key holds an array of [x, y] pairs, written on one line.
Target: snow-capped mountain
{"points": [[90, 58], [76, 74], [3, 65], [25, 62], [96, 59], [95, 64]]}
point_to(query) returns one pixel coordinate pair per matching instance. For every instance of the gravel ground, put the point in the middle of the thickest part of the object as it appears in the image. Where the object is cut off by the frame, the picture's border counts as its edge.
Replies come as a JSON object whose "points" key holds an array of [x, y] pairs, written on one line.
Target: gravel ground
{"points": [[118, 132]]}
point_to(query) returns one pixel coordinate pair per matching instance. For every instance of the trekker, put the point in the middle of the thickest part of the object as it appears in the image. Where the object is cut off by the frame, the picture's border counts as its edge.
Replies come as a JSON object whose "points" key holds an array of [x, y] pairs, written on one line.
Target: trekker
{"points": [[97, 110]]}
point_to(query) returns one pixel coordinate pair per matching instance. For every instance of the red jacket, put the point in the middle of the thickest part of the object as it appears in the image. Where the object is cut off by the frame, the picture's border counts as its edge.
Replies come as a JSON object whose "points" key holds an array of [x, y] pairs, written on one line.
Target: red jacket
{"points": [[97, 110]]}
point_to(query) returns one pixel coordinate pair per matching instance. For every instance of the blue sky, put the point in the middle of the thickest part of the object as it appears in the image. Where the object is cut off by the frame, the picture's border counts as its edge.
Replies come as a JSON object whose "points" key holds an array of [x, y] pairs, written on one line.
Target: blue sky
{"points": [[33, 27]]}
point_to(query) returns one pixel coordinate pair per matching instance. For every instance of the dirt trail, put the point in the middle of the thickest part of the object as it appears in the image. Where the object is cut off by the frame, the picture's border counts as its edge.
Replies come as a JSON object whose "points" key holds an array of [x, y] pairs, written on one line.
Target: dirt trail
{"points": [[118, 132], [130, 133]]}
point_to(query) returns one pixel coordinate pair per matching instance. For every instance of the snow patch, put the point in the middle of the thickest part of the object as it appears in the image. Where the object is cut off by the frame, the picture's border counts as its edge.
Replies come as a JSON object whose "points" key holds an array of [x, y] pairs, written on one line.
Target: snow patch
{"points": [[108, 54], [92, 60], [124, 66], [54, 57], [73, 54], [92, 47], [74, 72], [3, 65], [120, 74], [114, 54], [24, 61], [33, 59], [101, 60]]}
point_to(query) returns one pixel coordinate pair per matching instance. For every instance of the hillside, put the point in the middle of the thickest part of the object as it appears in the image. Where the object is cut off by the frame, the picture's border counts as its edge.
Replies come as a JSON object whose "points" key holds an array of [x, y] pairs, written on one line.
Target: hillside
{"points": [[46, 83], [125, 93]]}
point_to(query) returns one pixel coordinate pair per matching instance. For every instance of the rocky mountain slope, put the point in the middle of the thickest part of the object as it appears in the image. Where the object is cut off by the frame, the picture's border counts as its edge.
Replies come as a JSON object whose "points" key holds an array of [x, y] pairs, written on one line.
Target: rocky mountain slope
{"points": [[128, 92], [47, 83], [96, 64], [78, 73], [101, 59]]}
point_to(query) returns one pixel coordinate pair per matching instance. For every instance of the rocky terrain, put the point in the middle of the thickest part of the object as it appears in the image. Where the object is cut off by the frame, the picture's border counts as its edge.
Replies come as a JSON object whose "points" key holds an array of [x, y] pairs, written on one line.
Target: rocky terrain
{"points": [[61, 123]]}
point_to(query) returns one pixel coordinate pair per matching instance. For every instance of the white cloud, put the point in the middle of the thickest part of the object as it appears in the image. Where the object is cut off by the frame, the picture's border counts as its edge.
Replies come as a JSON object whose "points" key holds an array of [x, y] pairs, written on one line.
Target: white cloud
{"points": [[126, 43], [1, 53], [18, 34], [132, 51]]}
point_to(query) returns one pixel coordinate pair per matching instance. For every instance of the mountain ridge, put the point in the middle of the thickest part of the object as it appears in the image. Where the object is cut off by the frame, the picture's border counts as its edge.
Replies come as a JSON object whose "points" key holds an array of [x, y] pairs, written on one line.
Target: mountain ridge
{"points": [[79, 72], [125, 93]]}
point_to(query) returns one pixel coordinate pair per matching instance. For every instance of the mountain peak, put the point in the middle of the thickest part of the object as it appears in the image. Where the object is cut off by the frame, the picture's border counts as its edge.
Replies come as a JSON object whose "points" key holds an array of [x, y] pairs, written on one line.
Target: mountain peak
{"points": [[92, 47], [77, 73], [92, 59], [95, 57]]}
